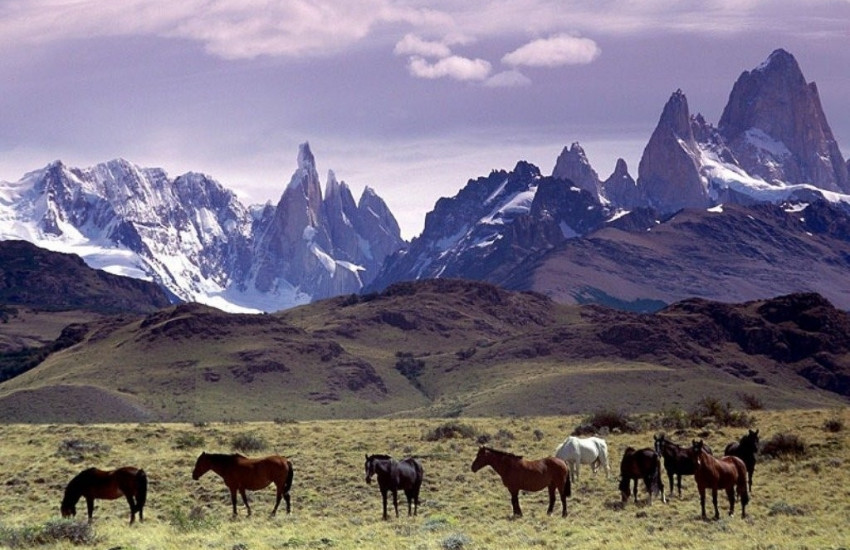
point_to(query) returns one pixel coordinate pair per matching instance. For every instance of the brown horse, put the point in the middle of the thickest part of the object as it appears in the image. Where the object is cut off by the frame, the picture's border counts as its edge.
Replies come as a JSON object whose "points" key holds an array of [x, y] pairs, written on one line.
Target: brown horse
{"points": [[720, 473], [746, 449], [241, 473], [92, 483], [519, 474], [641, 464]]}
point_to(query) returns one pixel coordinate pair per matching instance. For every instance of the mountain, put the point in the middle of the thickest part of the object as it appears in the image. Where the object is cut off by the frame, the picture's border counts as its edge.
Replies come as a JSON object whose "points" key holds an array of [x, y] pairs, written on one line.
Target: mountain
{"points": [[438, 348], [194, 238], [753, 208]]}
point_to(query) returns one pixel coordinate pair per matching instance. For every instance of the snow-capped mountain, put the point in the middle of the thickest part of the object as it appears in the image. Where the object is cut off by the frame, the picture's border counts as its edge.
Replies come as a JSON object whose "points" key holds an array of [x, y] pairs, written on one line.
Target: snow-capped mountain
{"points": [[773, 145], [195, 238]]}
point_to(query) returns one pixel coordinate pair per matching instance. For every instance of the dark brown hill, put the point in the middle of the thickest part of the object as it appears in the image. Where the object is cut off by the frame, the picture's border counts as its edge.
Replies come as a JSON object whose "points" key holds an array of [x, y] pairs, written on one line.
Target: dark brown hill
{"points": [[40, 279], [444, 347]]}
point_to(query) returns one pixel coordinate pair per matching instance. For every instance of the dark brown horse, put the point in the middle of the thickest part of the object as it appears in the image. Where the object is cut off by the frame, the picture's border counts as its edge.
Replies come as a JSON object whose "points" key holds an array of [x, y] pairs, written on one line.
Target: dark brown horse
{"points": [[726, 473], [519, 474], [641, 464], [679, 461], [746, 450], [130, 482], [393, 475], [241, 473]]}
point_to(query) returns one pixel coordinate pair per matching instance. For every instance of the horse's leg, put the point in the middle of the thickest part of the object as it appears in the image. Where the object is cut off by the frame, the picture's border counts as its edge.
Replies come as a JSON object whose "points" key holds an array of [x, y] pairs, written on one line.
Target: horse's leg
{"points": [[551, 499], [702, 500], [408, 494], [395, 501], [647, 481], [384, 498], [233, 499], [634, 489], [515, 503], [245, 499], [750, 471], [714, 501], [563, 491], [416, 498], [730, 494], [90, 507], [132, 507], [277, 498]]}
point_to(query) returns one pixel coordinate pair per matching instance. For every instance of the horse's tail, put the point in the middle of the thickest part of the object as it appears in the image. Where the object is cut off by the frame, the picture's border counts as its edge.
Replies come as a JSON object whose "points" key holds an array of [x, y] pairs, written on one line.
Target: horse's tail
{"points": [[657, 480], [568, 485], [288, 485], [743, 488], [141, 489], [603, 457]]}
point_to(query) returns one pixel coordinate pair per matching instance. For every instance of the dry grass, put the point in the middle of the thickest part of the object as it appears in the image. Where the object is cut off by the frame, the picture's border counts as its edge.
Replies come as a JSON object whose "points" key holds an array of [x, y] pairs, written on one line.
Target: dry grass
{"points": [[797, 503]]}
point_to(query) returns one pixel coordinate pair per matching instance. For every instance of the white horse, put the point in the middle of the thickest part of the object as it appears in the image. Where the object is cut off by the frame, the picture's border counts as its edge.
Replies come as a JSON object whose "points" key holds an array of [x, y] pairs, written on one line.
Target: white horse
{"points": [[584, 450]]}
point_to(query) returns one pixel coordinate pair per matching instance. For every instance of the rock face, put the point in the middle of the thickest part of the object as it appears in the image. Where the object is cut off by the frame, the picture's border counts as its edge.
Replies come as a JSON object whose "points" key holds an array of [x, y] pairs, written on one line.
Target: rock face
{"points": [[572, 165], [669, 170], [194, 238], [621, 189], [776, 127]]}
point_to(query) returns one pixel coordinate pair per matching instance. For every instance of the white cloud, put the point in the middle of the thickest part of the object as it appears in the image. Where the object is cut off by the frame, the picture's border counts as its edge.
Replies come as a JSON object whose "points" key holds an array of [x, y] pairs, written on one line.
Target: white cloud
{"points": [[562, 49], [455, 66], [413, 45], [507, 79]]}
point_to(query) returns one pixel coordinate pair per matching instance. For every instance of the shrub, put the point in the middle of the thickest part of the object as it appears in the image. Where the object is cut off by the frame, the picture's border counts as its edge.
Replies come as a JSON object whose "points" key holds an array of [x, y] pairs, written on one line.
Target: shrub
{"points": [[785, 509], [609, 420], [833, 425], [77, 450], [711, 409], [784, 445], [751, 402], [195, 520], [451, 430], [248, 443], [455, 541], [672, 419], [52, 532], [189, 441]]}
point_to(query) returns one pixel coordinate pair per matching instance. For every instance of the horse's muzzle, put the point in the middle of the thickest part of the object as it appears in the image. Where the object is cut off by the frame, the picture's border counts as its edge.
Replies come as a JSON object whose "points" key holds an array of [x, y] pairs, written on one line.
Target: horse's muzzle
{"points": [[369, 479]]}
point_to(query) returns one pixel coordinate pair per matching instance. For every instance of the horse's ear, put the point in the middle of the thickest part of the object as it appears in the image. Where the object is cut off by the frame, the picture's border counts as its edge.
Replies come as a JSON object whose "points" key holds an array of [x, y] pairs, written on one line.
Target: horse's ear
{"points": [[756, 432]]}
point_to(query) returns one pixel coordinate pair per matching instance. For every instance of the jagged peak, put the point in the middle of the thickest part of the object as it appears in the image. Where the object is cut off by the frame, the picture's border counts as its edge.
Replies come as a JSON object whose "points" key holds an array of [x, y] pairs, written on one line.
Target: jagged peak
{"points": [[306, 160], [778, 59], [676, 115], [621, 168]]}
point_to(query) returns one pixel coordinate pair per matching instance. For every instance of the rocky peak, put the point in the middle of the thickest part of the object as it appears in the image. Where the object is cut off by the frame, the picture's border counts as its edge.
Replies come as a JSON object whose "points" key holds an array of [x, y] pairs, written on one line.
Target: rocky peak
{"points": [[776, 127], [620, 188], [572, 165], [668, 173]]}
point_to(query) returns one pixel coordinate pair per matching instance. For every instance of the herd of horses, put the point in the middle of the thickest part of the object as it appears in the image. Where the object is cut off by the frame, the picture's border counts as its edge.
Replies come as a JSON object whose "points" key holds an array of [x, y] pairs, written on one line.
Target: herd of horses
{"points": [[732, 473]]}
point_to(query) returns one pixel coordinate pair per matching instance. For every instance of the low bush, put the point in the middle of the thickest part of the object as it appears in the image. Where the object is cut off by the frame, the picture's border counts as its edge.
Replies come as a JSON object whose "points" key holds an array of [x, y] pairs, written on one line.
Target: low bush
{"points": [[451, 430], [607, 420], [710, 410], [53, 532], [248, 443], [78, 450], [784, 445], [189, 441]]}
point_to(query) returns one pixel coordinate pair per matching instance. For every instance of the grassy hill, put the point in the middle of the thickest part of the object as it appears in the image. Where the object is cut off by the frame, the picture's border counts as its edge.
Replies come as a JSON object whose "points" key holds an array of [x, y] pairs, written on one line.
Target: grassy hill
{"points": [[438, 348]]}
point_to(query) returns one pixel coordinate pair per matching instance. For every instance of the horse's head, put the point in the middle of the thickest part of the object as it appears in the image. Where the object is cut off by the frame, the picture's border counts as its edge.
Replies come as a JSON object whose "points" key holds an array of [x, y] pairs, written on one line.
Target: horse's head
{"points": [[202, 466], [751, 439], [370, 468], [698, 448], [659, 443], [481, 459], [68, 510]]}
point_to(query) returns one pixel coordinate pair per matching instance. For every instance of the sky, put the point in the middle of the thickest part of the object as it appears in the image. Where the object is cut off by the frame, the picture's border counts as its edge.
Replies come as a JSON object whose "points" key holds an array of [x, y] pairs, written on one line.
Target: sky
{"points": [[409, 97]]}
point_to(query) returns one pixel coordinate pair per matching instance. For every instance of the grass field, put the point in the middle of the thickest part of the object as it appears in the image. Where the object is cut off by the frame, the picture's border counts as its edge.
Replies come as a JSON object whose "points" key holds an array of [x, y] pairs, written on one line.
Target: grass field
{"points": [[797, 502]]}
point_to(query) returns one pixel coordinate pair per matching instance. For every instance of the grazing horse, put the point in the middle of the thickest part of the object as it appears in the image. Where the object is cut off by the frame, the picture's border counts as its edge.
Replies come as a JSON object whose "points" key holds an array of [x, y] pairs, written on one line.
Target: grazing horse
{"points": [[394, 475], [720, 473], [641, 464], [746, 450], [519, 474], [92, 483], [679, 461], [241, 473], [576, 451]]}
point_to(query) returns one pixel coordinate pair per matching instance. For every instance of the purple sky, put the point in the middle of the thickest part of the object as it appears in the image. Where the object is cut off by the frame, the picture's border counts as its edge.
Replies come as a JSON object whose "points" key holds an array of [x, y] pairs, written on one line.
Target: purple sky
{"points": [[409, 97]]}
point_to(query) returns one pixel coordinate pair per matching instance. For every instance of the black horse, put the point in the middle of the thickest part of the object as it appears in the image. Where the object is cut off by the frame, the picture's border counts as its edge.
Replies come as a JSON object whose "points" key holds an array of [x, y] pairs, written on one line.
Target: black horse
{"points": [[641, 464], [679, 461], [746, 449], [393, 475]]}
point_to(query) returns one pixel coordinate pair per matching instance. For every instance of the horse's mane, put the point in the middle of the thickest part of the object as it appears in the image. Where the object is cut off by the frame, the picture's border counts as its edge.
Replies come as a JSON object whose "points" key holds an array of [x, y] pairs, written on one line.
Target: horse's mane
{"points": [[503, 453], [380, 457]]}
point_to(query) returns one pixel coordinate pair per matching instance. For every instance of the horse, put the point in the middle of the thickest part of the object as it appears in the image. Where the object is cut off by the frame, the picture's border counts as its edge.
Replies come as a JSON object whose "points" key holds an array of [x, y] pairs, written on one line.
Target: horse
{"points": [[519, 474], [720, 473], [241, 473], [678, 460], [576, 451], [393, 475], [93, 483], [746, 450], [641, 464]]}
